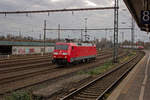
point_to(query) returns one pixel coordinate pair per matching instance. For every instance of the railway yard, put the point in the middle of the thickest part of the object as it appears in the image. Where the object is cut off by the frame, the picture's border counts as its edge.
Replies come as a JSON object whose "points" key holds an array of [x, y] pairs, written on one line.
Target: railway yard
{"points": [[43, 80], [74, 50]]}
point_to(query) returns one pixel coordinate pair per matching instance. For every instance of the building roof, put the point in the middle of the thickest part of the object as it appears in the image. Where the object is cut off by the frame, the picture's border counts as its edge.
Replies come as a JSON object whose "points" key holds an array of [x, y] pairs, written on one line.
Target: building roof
{"points": [[16, 43]]}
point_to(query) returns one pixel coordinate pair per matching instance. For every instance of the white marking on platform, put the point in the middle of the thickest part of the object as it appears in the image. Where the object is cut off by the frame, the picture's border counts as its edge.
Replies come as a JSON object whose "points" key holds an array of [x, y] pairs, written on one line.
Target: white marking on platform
{"points": [[144, 81]]}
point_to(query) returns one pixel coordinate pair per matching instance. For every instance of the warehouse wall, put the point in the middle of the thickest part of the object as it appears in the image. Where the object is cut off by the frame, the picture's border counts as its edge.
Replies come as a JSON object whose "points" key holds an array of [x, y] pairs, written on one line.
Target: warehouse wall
{"points": [[30, 49]]}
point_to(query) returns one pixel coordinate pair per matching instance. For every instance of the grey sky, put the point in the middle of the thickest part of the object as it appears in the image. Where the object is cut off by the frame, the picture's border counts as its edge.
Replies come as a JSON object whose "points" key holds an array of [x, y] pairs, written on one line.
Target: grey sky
{"points": [[32, 24]]}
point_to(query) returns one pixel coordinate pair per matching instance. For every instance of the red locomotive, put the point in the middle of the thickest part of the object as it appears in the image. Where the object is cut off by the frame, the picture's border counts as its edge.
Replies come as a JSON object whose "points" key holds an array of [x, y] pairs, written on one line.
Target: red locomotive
{"points": [[65, 53], [140, 47]]}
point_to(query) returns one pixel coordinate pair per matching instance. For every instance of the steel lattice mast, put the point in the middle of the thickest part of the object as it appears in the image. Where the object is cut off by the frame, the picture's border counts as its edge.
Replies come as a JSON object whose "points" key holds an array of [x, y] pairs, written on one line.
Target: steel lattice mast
{"points": [[115, 55]]}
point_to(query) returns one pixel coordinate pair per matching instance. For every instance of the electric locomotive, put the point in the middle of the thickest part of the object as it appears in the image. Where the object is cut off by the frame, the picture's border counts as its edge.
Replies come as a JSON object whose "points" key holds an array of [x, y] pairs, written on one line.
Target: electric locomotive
{"points": [[66, 53]]}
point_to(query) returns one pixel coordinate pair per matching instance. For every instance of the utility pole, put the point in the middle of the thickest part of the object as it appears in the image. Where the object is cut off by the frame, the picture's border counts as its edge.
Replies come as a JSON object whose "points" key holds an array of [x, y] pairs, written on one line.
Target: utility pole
{"points": [[106, 34], [20, 33], [44, 34], [85, 29], [111, 39], [132, 33], [40, 37], [115, 55], [81, 36], [94, 39], [122, 37], [58, 32]]}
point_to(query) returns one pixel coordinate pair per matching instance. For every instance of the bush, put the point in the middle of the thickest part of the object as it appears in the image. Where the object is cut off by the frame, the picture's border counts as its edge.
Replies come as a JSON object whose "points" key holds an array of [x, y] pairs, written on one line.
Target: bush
{"points": [[21, 95]]}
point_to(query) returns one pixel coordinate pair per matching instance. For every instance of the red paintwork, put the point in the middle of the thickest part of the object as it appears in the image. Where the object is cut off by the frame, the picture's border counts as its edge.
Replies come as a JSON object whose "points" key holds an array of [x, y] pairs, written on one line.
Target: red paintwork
{"points": [[140, 47], [75, 52]]}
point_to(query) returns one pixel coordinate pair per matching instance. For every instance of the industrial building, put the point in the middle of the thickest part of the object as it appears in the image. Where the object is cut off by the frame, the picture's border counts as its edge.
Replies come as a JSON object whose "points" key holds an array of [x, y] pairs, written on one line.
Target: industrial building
{"points": [[19, 48]]}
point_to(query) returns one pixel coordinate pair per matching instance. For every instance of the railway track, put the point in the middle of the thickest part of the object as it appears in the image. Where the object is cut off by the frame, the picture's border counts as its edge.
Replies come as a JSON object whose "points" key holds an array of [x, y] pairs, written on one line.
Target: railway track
{"points": [[18, 63], [23, 59], [12, 57], [12, 62], [24, 71], [96, 89], [25, 74], [46, 96], [30, 57], [12, 77], [27, 64]]}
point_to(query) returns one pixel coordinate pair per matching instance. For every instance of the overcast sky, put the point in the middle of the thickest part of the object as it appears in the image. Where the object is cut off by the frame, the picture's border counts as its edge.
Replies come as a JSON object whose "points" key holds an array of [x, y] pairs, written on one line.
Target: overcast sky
{"points": [[32, 24]]}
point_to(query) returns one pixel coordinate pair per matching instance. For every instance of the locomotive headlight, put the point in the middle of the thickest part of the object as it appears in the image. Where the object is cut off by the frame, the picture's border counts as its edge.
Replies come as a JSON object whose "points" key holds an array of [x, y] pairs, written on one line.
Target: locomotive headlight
{"points": [[65, 53], [55, 53], [65, 56]]}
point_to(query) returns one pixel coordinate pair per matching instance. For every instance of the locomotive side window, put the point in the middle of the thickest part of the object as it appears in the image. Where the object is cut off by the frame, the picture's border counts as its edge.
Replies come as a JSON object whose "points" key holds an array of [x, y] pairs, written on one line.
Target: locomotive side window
{"points": [[61, 47]]}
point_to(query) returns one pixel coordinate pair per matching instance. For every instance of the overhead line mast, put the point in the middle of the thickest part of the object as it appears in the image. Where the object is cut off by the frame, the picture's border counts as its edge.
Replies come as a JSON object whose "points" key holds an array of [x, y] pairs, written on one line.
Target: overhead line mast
{"points": [[115, 55]]}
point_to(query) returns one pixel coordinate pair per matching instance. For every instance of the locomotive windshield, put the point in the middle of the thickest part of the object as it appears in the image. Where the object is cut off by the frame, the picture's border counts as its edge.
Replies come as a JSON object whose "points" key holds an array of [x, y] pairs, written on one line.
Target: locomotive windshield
{"points": [[61, 47]]}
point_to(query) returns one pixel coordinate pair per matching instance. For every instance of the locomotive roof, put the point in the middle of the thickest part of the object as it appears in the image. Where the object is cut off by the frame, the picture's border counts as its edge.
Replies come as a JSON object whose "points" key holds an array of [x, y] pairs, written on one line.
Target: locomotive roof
{"points": [[77, 44]]}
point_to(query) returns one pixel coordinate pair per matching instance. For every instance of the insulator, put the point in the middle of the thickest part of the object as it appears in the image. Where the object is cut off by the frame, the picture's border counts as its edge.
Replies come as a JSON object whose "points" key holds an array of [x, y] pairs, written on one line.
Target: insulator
{"points": [[26, 14], [72, 13]]}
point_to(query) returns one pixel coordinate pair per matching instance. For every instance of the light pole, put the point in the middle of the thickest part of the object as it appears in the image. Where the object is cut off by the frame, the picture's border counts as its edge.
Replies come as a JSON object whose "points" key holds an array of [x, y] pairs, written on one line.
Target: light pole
{"points": [[106, 34], [122, 38], [85, 29], [81, 36], [44, 34], [58, 32], [40, 37], [132, 33], [132, 30]]}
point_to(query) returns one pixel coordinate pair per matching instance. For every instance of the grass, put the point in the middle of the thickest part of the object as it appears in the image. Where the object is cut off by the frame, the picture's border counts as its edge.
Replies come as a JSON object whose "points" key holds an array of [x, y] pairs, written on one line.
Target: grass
{"points": [[98, 70], [107, 65], [19, 95], [132, 53]]}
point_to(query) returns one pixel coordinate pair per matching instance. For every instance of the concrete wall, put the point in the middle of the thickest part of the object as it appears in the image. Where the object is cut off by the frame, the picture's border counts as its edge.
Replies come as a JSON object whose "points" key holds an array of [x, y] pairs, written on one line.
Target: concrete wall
{"points": [[17, 50]]}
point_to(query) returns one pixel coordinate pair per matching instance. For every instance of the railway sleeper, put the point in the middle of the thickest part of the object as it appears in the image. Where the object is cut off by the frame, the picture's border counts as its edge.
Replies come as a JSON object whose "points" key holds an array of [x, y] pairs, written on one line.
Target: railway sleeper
{"points": [[93, 88], [96, 91], [85, 97], [90, 93], [77, 98]]}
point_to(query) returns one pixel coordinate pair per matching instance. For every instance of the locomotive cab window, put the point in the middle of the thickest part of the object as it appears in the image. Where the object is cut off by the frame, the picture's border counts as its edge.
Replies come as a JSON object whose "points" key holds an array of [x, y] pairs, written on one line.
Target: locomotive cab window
{"points": [[72, 47], [61, 47]]}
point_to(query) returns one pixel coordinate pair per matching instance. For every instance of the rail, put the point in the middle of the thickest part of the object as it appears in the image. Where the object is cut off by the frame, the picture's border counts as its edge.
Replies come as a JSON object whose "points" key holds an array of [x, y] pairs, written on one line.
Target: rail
{"points": [[101, 95]]}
